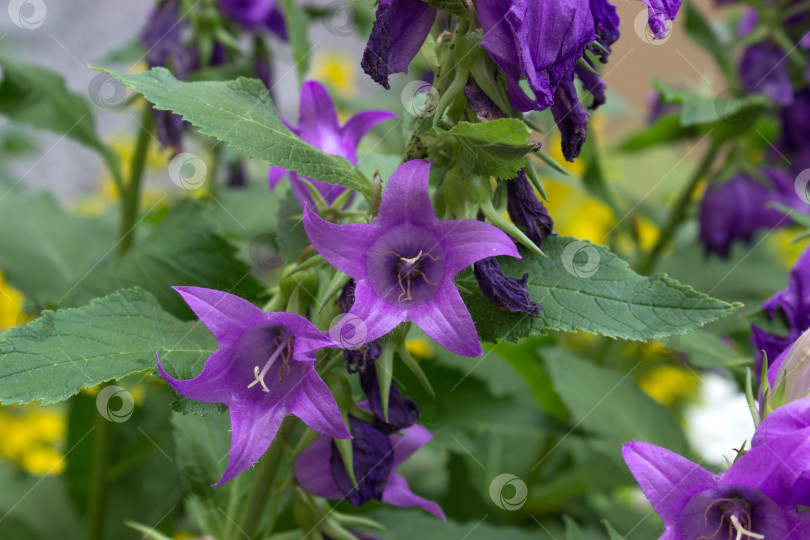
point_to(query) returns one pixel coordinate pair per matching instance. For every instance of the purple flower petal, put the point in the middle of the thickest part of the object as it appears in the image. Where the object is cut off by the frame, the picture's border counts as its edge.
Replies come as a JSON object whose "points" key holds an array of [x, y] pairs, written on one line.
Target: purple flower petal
{"points": [[221, 312], [406, 196], [399, 494], [447, 321], [318, 120], [373, 461], [473, 240], [314, 404], [667, 479], [361, 123], [400, 28], [412, 439], [659, 13], [764, 70], [343, 246], [378, 317], [570, 117], [210, 386], [274, 176], [313, 472], [252, 432], [784, 421]]}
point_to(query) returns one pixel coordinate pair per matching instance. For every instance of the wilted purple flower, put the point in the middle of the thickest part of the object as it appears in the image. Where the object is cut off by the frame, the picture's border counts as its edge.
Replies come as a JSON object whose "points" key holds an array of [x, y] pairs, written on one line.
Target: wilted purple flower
{"points": [[540, 41], [526, 210], [764, 70], [375, 456], [753, 499], [264, 370], [740, 207], [318, 125], [503, 291], [570, 117], [791, 305], [659, 13], [400, 28], [404, 262], [606, 25], [794, 144], [402, 411]]}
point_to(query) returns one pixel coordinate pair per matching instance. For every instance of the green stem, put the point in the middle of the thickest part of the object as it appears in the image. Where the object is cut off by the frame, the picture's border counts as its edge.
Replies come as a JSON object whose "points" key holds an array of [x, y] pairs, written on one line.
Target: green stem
{"points": [[131, 195], [263, 481], [97, 500], [678, 214]]}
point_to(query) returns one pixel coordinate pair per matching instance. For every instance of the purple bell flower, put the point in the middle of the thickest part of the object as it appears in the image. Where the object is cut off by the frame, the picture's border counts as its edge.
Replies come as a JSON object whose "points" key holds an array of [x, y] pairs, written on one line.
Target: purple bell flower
{"points": [[754, 499], [793, 305], [319, 126], [264, 370], [375, 456], [400, 28], [793, 367], [764, 70], [404, 262]]}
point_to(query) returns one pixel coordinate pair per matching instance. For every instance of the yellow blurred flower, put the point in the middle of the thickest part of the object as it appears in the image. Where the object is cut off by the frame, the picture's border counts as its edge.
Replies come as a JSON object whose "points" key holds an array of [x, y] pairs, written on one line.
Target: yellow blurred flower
{"points": [[338, 71], [667, 384], [31, 436], [420, 348], [11, 305], [782, 242]]}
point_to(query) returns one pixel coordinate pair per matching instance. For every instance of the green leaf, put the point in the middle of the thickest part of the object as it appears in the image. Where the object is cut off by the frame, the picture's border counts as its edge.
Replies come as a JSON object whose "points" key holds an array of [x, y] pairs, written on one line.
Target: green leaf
{"points": [[242, 114], [582, 286], [405, 524], [60, 353], [37, 96], [49, 249], [498, 148], [735, 111], [182, 250], [707, 350], [609, 403], [297, 23], [666, 129]]}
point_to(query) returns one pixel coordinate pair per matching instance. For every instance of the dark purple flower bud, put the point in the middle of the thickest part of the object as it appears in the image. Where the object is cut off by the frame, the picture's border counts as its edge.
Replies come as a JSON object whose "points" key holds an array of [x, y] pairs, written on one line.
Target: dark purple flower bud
{"points": [[794, 144], [793, 306], [659, 13], [276, 23], [570, 117], [526, 210], [539, 41], [373, 461], [400, 28], [594, 85], [764, 70], [247, 12], [162, 37], [503, 291], [483, 107], [169, 130], [737, 209], [402, 411], [236, 175]]}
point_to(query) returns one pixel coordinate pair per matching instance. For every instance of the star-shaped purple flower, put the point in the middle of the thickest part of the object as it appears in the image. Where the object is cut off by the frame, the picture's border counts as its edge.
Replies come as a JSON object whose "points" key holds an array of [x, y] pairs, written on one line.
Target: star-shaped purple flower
{"points": [[405, 261], [319, 126], [754, 499], [319, 468], [264, 370]]}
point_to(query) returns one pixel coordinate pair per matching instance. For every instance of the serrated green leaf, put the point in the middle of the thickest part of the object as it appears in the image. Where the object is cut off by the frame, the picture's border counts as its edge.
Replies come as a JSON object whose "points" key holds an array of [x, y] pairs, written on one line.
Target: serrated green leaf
{"points": [[498, 148], [182, 250], [241, 113], [37, 96], [60, 353], [583, 286]]}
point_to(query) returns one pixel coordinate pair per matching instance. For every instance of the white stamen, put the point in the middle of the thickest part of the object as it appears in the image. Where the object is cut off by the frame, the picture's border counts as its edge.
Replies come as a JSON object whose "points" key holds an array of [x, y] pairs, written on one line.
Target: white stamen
{"points": [[260, 374], [743, 532], [412, 260]]}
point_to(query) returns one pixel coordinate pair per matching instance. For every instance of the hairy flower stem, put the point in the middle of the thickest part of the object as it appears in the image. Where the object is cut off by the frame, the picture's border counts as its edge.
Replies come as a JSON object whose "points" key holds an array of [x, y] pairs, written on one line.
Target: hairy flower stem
{"points": [[131, 194], [263, 481], [647, 262]]}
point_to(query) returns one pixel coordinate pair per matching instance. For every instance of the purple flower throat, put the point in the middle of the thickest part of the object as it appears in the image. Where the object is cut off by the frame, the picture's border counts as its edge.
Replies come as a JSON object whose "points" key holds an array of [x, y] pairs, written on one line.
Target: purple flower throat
{"points": [[410, 275], [283, 342], [730, 516]]}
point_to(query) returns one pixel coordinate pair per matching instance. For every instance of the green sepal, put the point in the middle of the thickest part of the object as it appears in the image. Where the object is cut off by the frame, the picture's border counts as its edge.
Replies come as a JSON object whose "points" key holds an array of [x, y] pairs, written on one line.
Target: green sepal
{"points": [[510, 228], [534, 179], [411, 363], [346, 452], [385, 374]]}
